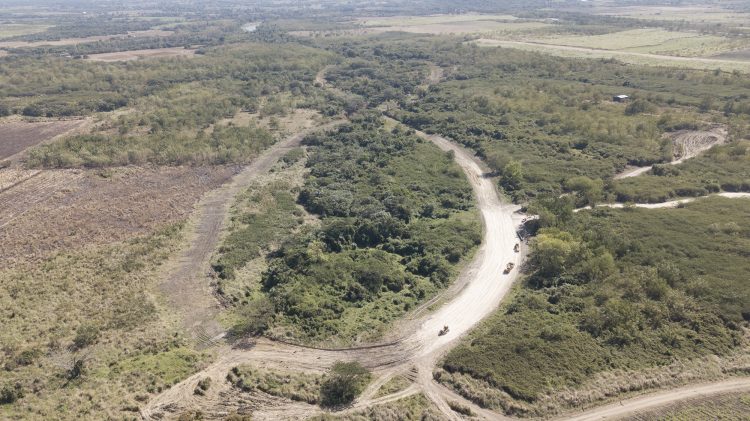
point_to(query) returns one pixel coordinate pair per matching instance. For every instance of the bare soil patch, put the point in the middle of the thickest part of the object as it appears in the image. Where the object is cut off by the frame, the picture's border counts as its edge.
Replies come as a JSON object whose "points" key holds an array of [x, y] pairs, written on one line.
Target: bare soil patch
{"points": [[17, 136], [74, 41], [45, 211], [142, 54]]}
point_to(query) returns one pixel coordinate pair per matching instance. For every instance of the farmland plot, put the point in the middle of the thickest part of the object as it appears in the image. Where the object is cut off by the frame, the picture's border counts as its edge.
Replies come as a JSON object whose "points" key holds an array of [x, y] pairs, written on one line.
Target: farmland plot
{"points": [[17, 136]]}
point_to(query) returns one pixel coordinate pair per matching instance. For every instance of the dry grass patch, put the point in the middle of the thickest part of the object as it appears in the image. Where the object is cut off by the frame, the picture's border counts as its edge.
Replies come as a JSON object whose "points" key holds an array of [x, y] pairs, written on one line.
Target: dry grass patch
{"points": [[74, 41], [142, 54], [45, 211], [84, 338]]}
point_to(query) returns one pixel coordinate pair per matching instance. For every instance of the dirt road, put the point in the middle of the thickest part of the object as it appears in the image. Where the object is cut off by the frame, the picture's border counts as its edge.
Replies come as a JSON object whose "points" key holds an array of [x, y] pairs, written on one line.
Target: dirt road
{"points": [[488, 284], [669, 204], [621, 409], [686, 145], [186, 284]]}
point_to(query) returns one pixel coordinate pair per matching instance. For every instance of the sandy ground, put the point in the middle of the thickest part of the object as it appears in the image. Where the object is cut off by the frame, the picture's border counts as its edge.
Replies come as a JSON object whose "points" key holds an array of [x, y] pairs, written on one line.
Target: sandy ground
{"points": [[687, 145], [142, 54]]}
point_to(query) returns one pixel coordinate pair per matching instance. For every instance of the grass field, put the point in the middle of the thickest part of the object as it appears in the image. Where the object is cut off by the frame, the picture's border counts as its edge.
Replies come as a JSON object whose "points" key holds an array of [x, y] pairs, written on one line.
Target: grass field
{"points": [[8, 30], [653, 41], [646, 59], [431, 20], [691, 14], [451, 24], [142, 54], [84, 337], [412, 408]]}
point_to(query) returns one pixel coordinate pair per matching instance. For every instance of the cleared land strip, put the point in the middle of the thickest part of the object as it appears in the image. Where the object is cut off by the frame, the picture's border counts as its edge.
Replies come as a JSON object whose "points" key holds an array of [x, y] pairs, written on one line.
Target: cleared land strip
{"points": [[631, 57], [186, 284]]}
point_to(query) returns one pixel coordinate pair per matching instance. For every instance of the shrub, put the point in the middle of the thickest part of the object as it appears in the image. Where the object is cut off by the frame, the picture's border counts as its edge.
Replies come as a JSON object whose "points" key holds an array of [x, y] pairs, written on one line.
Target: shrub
{"points": [[85, 335], [344, 383], [10, 394], [202, 386]]}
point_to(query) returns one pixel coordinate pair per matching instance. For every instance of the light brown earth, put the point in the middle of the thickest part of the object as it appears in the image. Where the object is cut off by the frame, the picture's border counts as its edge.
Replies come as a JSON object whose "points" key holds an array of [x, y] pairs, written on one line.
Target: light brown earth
{"points": [[142, 54], [45, 211], [19, 135], [74, 41]]}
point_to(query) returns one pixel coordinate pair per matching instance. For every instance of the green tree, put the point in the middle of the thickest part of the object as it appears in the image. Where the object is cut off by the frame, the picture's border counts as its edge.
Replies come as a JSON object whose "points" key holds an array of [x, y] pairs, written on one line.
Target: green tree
{"points": [[512, 176], [552, 250], [589, 191]]}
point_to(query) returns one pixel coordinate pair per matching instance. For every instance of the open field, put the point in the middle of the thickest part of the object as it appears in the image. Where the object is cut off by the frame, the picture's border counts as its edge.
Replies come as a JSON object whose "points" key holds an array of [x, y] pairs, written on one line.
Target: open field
{"points": [[142, 54], [692, 14], [74, 41], [652, 41], [20, 135], [8, 30], [45, 211], [701, 63], [431, 20]]}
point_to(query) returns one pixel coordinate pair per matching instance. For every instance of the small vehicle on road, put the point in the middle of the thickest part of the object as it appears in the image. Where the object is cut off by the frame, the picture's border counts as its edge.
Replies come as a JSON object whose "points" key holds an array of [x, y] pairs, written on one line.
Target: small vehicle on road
{"points": [[517, 248], [443, 331], [509, 267]]}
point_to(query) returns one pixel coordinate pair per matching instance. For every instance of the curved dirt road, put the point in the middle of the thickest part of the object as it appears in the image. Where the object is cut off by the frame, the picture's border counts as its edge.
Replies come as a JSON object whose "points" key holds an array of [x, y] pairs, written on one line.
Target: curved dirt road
{"points": [[654, 400], [488, 284]]}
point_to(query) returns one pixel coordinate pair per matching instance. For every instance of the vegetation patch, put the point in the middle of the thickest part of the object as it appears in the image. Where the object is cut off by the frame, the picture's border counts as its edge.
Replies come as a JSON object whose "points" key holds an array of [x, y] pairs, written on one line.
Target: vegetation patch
{"points": [[396, 219], [628, 289], [412, 408], [396, 384], [723, 168], [296, 386]]}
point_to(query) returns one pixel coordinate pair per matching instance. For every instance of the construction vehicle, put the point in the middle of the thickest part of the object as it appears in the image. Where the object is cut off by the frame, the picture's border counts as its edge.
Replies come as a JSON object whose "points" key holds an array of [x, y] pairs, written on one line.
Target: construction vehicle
{"points": [[443, 331], [509, 267]]}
